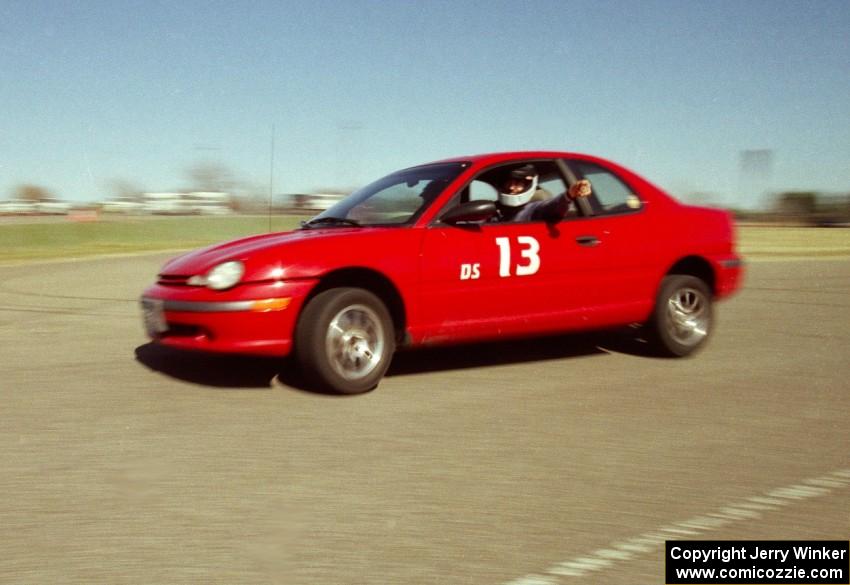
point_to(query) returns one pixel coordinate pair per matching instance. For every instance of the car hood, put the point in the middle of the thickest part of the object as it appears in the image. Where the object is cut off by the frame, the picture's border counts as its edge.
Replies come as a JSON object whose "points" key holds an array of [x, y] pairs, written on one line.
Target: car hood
{"points": [[260, 253]]}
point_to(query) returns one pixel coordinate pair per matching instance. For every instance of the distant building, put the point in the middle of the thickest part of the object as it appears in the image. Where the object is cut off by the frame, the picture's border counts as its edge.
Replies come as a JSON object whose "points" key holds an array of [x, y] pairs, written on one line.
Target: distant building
{"points": [[163, 203], [16, 207], [48, 206], [194, 203], [52, 206], [125, 205], [207, 203], [315, 202]]}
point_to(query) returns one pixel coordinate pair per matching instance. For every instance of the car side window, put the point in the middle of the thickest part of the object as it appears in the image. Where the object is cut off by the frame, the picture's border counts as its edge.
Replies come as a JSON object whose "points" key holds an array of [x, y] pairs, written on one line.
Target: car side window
{"points": [[610, 195], [486, 186]]}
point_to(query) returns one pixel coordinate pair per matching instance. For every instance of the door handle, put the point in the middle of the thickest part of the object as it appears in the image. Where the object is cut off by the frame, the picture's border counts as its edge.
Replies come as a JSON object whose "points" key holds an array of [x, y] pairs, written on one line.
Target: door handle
{"points": [[589, 241]]}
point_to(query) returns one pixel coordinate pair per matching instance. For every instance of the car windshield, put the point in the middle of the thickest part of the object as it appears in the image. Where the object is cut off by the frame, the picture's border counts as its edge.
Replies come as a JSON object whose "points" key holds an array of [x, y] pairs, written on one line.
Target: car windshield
{"points": [[395, 199]]}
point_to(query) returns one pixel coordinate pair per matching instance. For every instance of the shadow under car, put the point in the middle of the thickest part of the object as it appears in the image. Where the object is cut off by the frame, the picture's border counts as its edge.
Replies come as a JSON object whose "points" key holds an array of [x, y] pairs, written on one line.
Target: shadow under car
{"points": [[248, 372]]}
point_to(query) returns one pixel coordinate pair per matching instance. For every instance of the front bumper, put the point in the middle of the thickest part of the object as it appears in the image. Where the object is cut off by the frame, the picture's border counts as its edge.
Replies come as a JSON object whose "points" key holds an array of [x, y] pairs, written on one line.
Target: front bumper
{"points": [[256, 319]]}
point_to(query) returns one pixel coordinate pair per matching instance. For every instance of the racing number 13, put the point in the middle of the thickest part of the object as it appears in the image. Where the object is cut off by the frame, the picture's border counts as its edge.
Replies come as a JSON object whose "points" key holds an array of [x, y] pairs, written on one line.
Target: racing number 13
{"points": [[529, 251]]}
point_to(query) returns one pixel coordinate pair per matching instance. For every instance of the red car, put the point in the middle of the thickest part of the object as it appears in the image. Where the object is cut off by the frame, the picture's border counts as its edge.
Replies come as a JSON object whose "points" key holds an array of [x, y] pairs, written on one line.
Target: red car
{"points": [[425, 256]]}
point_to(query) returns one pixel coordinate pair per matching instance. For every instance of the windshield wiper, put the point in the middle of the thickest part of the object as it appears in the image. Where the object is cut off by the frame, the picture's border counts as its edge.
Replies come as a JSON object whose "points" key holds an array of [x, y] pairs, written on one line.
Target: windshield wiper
{"points": [[329, 221]]}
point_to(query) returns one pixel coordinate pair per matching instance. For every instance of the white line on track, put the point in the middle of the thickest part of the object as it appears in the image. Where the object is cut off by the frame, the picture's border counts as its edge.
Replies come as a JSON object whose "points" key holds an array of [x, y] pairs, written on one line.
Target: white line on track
{"points": [[747, 509]]}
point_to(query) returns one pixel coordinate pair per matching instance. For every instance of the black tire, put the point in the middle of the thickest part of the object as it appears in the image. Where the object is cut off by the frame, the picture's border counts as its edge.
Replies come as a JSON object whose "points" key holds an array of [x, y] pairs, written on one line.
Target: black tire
{"points": [[682, 320], [345, 340]]}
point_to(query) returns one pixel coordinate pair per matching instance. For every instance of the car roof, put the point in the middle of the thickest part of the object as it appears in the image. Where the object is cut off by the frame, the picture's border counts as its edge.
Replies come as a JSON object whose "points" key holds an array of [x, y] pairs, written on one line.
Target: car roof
{"points": [[497, 157], [479, 160], [511, 155]]}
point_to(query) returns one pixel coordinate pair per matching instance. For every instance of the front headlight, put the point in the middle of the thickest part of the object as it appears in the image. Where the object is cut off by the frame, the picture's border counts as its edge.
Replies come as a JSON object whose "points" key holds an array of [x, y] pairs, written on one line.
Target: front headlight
{"points": [[225, 275]]}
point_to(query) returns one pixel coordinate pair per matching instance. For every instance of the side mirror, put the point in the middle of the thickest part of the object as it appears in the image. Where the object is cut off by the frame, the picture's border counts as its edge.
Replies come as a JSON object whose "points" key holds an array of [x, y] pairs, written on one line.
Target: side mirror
{"points": [[470, 212]]}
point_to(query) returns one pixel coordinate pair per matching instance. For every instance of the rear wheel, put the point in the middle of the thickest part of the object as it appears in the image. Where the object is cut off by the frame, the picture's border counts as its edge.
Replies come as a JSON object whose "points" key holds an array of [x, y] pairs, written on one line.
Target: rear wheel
{"points": [[683, 318], [344, 340]]}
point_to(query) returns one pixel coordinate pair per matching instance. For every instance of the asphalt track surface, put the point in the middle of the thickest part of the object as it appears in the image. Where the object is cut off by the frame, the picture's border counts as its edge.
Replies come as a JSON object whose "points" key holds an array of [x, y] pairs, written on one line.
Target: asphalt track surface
{"points": [[564, 460]]}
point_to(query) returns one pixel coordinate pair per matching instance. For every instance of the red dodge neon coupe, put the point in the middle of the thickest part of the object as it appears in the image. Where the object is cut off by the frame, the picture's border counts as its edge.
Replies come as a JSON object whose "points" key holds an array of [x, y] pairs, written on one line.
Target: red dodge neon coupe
{"points": [[425, 256]]}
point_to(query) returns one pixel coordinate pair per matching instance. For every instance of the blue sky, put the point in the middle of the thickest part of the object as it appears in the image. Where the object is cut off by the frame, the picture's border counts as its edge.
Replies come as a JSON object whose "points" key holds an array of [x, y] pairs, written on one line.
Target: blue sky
{"points": [[93, 92]]}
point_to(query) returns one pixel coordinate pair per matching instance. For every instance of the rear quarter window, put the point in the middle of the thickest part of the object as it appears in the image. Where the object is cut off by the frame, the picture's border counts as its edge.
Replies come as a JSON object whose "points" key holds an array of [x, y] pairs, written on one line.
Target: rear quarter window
{"points": [[611, 194]]}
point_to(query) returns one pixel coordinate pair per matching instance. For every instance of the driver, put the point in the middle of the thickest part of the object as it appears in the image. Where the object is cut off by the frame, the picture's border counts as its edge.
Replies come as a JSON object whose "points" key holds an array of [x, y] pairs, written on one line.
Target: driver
{"points": [[520, 186]]}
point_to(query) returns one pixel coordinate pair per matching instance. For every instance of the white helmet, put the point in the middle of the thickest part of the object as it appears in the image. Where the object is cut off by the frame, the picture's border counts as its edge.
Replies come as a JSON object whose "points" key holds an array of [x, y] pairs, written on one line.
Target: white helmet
{"points": [[524, 178]]}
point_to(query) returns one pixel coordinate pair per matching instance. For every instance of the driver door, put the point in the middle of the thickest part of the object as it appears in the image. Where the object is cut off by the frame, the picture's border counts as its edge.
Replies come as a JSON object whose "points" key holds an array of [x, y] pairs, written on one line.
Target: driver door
{"points": [[500, 279]]}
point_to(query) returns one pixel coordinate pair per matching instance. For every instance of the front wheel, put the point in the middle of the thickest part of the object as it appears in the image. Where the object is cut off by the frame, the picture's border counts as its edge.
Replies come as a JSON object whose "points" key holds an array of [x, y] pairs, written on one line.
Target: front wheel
{"points": [[344, 340], [683, 316]]}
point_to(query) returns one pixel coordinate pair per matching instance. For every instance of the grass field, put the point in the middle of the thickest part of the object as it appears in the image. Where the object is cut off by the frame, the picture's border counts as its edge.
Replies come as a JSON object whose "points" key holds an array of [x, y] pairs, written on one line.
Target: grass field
{"points": [[67, 239], [21, 242], [765, 242]]}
